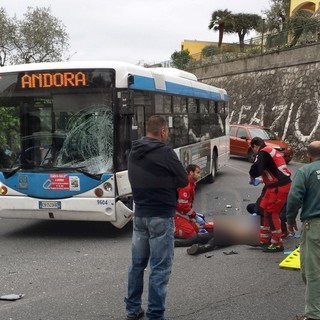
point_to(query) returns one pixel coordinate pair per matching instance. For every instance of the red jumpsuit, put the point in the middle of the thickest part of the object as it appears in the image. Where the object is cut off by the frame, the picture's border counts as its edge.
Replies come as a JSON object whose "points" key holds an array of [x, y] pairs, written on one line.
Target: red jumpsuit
{"points": [[185, 225], [271, 166]]}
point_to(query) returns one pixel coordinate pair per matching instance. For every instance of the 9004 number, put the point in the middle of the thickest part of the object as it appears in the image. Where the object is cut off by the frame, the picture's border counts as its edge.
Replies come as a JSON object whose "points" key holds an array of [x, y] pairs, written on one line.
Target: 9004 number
{"points": [[102, 202]]}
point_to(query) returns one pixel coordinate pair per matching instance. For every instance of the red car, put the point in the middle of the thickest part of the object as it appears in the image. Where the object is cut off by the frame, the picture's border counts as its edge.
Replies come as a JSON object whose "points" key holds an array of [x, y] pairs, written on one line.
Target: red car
{"points": [[241, 135]]}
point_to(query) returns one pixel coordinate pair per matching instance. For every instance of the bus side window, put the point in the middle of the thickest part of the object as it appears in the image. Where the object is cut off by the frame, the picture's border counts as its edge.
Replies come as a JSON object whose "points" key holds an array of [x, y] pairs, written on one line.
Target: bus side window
{"points": [[205, 130], [179, 105], [192, 105], [167, 104], [194, 128], [139, 121], [222, 110], [204, 106], [205, 127], [180, 130]]}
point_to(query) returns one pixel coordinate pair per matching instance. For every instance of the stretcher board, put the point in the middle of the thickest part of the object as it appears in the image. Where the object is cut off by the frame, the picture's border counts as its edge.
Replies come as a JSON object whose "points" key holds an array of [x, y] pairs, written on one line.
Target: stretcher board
{"points": [[292, 261]]}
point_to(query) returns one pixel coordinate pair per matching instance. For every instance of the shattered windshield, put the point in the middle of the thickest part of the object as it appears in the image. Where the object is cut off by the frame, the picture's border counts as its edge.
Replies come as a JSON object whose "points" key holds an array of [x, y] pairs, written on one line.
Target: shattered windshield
{"points": [[88, 140], [57, 129]]}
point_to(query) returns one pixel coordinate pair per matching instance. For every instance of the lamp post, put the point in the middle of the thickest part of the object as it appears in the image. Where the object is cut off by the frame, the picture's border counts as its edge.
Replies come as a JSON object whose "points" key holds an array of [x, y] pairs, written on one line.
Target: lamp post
{"points": [[2, 58], [262, 33]]}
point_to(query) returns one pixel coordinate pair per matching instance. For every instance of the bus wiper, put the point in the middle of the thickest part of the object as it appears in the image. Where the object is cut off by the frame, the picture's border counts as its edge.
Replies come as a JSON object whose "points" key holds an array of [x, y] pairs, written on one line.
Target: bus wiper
{"points": [[8, 174], [88, 174], [78, 169]]}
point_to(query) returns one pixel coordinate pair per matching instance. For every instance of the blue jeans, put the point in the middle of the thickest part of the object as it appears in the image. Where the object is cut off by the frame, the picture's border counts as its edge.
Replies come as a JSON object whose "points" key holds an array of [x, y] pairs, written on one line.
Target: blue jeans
{"points": [[152, 239]]}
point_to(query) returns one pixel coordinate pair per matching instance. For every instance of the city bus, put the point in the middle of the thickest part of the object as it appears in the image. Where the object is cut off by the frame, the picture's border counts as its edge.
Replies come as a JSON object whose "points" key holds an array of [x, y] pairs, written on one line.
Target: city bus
{"points": [[67, 127]]}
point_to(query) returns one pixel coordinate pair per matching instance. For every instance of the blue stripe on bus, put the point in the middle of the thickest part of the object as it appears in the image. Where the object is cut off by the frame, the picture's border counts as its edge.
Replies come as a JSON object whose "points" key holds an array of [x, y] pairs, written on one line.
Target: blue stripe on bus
{"points": [[191, 91], [38, 185], [143, 83], [146, 83]]}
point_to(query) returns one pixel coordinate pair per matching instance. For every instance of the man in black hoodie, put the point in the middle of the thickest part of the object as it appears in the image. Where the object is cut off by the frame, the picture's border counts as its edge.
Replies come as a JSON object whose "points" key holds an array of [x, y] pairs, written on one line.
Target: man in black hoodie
{"points": [[155, 173]]}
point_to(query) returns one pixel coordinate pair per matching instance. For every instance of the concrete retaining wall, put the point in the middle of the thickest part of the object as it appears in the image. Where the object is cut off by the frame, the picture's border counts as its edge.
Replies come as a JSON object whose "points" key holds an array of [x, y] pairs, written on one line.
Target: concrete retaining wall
{"points": [[279, 89]]}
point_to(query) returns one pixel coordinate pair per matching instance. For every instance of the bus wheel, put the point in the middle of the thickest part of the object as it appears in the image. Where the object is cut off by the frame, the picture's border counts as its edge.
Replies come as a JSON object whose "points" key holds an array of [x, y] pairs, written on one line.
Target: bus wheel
{"points": [[212, 176]]}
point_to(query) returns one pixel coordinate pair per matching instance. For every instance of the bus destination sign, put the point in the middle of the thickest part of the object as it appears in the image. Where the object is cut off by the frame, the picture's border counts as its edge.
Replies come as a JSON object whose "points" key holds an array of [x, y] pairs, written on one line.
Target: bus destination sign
{"points": [[62, 79]]}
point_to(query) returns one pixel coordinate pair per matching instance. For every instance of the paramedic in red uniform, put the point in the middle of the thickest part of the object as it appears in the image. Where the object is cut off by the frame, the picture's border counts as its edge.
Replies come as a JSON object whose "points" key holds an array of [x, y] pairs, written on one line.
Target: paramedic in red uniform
{"points": [[271, 166], [187, 221]]}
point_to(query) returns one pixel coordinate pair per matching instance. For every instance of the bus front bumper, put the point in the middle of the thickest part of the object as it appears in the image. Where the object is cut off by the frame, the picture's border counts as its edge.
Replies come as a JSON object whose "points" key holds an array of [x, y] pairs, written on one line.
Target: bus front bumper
{"points": [[77, 209]]}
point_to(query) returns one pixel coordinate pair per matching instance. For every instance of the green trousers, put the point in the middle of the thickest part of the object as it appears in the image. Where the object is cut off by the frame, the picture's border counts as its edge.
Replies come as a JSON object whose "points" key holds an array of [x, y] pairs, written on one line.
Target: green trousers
{"points": [[310, 266]]}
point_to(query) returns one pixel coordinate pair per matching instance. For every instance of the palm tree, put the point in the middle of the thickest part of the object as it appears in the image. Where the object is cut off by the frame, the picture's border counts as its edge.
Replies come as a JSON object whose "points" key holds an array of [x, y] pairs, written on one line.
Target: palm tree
{"points": [[243, 23], [221, 20]]}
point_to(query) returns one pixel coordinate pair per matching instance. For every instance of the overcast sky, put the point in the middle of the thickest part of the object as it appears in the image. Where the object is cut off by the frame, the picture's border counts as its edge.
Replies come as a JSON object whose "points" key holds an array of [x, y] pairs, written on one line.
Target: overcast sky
{"points": [[134, 31]]}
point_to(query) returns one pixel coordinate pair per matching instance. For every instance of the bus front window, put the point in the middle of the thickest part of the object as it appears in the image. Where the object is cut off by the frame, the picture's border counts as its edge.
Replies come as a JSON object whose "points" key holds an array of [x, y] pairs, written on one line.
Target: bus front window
{"points": [[88, 140]]}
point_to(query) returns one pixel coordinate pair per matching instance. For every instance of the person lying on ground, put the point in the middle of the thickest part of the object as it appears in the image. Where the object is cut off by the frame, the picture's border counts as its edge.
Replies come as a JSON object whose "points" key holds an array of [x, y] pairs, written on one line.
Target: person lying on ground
{"points": [[228, 231]]}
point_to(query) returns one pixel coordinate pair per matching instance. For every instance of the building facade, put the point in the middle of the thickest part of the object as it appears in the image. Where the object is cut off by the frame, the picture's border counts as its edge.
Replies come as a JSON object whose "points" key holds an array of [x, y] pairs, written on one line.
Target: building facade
{"points": [[195, 47], [297, 5]]}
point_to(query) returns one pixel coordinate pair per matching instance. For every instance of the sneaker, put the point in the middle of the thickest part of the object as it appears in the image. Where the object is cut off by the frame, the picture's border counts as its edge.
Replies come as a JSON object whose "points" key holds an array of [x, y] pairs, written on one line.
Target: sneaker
{"points": [[273, 248], [264, 245], [193, 249], [140, 315], [260, 245]]}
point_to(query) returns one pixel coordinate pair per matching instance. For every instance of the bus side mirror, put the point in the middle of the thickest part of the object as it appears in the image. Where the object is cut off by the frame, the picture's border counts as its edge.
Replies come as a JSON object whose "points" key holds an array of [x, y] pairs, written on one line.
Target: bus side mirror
{"points": [[130, 79]]}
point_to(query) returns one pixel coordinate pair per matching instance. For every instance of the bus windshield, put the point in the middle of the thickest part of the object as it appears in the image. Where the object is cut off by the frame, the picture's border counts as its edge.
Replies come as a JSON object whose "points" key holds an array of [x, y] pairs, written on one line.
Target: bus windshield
{"points": [[59, 128]]}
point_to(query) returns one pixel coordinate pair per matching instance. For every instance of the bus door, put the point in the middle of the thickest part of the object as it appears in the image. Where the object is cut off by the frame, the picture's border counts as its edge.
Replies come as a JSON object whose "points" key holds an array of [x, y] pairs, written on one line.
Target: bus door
{"points": [[143, 109], [123, 124]]}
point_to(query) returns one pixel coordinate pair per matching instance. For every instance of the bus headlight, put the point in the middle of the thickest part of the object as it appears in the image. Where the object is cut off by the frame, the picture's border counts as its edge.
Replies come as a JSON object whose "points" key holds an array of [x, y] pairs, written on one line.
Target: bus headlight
{"points": [[107, 186], [3, 190]]}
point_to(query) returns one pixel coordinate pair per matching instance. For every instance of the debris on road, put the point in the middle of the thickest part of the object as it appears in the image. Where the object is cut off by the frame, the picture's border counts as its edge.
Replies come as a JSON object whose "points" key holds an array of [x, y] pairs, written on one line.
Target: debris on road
{"points": [[12, 297], [230, 252]]}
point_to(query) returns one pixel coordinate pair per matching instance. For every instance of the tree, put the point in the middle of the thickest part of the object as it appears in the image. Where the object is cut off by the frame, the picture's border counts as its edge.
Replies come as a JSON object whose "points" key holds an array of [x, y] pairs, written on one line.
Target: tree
{"points": [[9, 141], [278, 15], [40, 37], [180, 59], [302, 21], [7, 33], [243, 23], [221, 20], [209, 51]]}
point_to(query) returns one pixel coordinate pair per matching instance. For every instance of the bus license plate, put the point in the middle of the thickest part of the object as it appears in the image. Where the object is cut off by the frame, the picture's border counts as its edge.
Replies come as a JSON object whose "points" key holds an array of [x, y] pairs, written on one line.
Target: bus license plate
{"points": [[49, 204]]}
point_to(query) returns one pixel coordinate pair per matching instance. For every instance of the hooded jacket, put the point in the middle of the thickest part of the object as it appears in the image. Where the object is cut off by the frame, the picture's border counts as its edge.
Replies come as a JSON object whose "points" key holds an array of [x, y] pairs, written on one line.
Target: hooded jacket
{"points": [[155, 173]]}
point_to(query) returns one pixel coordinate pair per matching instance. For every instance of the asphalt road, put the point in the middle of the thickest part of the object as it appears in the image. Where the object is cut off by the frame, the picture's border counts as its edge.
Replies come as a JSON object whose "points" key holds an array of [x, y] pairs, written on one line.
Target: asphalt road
{"points": [[78, 271]]}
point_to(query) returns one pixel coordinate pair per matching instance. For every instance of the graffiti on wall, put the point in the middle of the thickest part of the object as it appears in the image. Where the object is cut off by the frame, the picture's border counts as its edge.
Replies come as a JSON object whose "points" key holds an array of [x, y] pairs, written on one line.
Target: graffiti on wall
{"points": [[283, 118], [284, 99]]}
